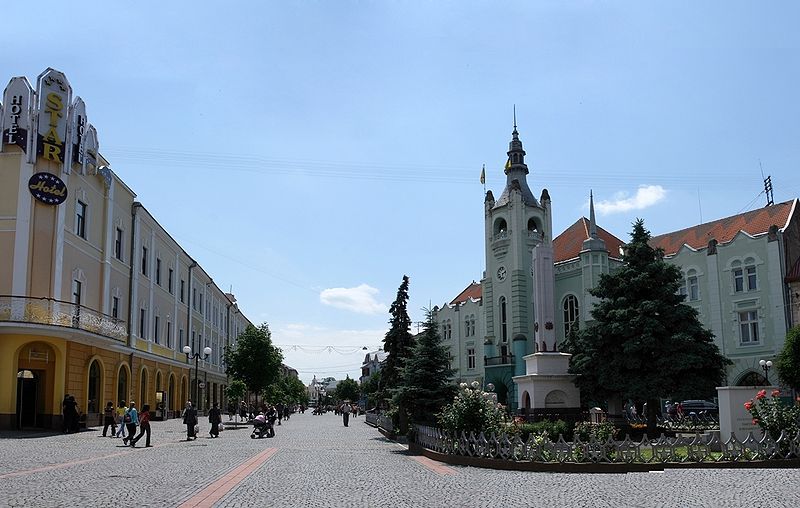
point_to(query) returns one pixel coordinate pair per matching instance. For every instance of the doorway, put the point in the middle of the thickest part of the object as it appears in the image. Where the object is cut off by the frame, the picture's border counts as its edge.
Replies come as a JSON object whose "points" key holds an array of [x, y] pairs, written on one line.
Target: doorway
{"points": [[27, 398]]}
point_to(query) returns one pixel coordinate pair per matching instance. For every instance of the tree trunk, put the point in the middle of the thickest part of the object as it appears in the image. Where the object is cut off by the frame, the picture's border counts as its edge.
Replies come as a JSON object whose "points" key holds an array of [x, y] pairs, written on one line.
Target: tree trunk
{"points": [[652, 417]]}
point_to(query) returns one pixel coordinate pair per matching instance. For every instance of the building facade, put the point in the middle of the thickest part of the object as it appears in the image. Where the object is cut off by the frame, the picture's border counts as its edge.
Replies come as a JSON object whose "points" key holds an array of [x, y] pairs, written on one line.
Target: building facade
{"points": [[742, 274], [97, 300]]}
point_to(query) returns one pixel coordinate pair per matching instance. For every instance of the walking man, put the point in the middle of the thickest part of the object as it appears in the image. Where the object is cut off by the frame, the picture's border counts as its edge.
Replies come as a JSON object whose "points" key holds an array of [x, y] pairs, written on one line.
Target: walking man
{"points": [[190, 420], [346, 408], [108, 419]]}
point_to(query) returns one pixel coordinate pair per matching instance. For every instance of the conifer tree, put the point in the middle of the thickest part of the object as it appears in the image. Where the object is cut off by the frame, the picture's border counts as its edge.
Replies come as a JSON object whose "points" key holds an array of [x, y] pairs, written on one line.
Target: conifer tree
{"points": [[426, 385], [645, 343], [397, 342]]}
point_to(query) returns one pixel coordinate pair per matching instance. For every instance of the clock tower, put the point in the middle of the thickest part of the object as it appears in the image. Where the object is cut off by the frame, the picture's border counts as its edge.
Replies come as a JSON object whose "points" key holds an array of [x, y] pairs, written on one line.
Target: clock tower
{"points": [[514, 224]]}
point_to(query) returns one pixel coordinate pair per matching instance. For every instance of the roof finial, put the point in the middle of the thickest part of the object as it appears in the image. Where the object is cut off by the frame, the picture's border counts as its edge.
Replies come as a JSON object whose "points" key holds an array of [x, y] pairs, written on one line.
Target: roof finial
{"points": [[592, 223], [515, 118]]}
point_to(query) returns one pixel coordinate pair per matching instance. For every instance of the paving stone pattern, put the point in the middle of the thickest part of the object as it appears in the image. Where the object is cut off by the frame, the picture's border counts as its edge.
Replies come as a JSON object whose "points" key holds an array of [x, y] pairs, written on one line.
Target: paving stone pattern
{"points": [[320, 463]]}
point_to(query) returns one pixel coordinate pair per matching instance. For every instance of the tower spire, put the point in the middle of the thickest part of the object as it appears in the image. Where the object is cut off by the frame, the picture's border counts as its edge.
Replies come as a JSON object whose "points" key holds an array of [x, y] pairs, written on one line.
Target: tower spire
{"points": [[592, 222]]}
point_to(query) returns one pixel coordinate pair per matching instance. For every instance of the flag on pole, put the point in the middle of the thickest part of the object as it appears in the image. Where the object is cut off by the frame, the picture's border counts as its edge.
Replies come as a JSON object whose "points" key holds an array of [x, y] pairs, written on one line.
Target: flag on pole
{"points": [[483, 174], [508, 163]]}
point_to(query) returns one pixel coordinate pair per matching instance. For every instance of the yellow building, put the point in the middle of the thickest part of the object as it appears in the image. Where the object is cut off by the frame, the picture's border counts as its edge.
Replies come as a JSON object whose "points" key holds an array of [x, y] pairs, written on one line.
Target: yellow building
{"points": [[97, 300]]}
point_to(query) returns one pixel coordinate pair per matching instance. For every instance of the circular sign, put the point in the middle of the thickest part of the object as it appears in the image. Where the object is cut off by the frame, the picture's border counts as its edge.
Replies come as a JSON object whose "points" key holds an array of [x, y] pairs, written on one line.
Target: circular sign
{"points": [[202, 385], [48, 188]]}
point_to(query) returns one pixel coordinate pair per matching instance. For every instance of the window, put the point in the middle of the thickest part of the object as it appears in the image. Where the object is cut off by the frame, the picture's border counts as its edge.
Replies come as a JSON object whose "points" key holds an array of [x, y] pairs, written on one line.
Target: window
{"points": [[744, 278], [142, 319], [750, 272], [118, 244], [76, 292], [503, 327], [692, 285], [156, 335], [748, 327], [471, 358], [115, 307], [144, 260], [183, 288], [449, 333], [80, 219], [158, 271], [466, 326], [170, 280], [169, 334], [571, 313]]}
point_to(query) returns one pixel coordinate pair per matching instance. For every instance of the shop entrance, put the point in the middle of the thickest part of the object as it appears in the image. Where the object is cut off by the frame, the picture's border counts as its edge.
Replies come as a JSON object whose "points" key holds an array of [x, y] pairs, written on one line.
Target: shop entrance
{"points": [[28, 396]]}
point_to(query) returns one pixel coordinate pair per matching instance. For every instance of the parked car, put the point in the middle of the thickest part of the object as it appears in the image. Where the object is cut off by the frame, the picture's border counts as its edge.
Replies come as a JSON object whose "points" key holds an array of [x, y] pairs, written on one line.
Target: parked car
{"points": [[698, 406]]}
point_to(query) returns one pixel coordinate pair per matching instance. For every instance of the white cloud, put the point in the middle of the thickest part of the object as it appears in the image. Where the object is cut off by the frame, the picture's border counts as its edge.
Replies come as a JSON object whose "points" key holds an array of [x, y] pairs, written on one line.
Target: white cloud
{"points": [[360, 299], [646, 196]]}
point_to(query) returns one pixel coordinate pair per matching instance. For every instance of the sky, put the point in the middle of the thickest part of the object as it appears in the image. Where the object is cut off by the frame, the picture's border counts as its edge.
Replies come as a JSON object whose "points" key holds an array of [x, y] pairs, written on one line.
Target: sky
{"points": [[309, 154]]}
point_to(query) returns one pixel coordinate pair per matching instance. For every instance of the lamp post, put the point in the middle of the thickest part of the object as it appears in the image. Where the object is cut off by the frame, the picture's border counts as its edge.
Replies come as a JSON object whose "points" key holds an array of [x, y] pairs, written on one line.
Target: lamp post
{"points": [[188, 351], [766, 365]]}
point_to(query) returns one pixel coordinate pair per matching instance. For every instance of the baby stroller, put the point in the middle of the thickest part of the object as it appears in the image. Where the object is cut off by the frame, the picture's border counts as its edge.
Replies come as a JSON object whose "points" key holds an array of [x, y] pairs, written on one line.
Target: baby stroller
{"points": [[262, 427]]}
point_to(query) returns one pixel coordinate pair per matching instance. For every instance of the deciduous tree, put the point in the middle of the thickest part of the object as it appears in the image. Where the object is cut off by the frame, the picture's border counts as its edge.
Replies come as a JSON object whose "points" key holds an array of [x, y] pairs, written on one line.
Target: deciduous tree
{"points": [[253, 358]]}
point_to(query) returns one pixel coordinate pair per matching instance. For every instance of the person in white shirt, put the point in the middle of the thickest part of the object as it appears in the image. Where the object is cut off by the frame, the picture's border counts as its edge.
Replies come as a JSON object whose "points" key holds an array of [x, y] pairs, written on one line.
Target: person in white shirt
{"points": [[346, 408]]}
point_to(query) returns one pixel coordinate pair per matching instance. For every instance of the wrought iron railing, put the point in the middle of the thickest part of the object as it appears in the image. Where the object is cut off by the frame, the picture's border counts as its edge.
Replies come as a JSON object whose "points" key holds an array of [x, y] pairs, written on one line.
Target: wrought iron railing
{"points": [[49, 311], [698, 449]]}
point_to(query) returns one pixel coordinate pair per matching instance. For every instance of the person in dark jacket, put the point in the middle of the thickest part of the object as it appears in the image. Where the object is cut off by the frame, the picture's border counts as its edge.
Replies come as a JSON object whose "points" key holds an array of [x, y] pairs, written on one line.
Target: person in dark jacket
{"points": [[190, 420], [109, 419], [214, 418]]}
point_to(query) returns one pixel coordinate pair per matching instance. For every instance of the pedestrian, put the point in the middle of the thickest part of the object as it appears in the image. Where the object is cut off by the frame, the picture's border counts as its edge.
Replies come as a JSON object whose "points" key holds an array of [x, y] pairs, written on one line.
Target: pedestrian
{"points": [[345, 409], [109, 419], [131, 420], [190, 420], [243, 411], [231, 410], [144, 427], [121, 410], [214, 418], [74, 414]]}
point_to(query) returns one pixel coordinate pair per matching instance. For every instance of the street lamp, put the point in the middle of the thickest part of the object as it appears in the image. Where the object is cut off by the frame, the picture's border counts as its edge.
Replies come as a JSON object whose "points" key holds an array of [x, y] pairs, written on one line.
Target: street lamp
{"points": [[188, 351], [766, 365]]}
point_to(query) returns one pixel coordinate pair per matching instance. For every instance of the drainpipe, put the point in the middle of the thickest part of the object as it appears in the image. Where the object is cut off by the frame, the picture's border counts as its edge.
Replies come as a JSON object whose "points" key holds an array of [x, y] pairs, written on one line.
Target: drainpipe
{"points": [[136, 205]]}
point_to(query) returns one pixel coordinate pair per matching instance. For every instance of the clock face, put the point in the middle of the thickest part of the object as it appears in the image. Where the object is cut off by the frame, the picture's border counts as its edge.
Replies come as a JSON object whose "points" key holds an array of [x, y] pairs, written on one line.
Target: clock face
{"points": [[501, 273]]}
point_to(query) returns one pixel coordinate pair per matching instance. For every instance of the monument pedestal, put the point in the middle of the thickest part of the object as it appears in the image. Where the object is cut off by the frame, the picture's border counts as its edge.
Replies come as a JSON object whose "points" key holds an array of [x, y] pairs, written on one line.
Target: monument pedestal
{"points": [[547, 385]]}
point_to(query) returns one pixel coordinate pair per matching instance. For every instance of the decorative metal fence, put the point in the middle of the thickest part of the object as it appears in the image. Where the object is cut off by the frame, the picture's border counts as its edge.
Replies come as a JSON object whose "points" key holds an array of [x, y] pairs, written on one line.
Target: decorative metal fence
{"points": [[48, 311], [697, 449]]}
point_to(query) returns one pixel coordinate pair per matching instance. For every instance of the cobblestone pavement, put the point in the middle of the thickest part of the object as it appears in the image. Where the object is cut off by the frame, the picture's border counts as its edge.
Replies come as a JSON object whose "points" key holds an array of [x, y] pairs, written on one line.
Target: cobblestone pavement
{"points": [[315, 461]]}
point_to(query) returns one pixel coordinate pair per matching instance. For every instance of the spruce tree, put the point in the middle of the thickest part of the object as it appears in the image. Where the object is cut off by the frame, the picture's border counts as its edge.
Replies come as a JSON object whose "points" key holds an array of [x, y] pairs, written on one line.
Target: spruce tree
{"points": [[397, 342], [645, 343], [426, 385], [788, 361]]}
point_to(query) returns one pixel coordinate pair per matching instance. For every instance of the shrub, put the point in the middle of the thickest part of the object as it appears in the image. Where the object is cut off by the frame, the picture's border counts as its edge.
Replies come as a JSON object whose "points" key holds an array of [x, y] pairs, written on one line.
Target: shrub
{"points": [[548, 428], [773, 415], [473, 410], [599, 431]]}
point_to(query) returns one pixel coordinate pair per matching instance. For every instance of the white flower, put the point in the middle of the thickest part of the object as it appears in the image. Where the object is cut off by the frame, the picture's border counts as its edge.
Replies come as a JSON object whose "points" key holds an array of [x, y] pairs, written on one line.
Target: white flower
{"points": [[475, 384], [463, 385]]}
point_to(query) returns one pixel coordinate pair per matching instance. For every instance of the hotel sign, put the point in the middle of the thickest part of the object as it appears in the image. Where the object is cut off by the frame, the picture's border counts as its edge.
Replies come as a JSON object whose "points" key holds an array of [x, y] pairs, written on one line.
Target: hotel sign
{"points": [[48, 188], [16, 118], [54, 95]]}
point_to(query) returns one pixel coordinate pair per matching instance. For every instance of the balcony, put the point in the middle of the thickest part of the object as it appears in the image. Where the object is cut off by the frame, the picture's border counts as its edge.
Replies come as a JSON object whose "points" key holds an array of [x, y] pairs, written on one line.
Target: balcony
{"points": [[494, 361], [51, 312]]}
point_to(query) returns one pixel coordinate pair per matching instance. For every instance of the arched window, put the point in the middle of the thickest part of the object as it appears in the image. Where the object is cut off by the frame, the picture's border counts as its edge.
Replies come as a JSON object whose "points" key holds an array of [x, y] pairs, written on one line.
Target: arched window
{"points": [[158, 381], [532, 227], [500, 228], [750, 274], [571, 313], [93, 402], [503, 327], [122, 384]]}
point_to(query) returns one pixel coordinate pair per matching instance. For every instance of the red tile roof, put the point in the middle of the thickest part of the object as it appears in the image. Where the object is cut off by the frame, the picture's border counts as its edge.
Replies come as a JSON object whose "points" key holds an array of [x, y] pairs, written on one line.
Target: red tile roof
{"points": [[755, 222], [568, 245], [472, 291]]}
